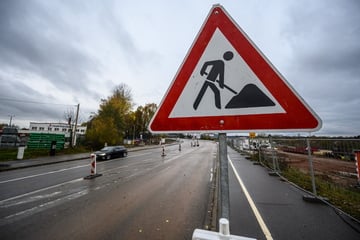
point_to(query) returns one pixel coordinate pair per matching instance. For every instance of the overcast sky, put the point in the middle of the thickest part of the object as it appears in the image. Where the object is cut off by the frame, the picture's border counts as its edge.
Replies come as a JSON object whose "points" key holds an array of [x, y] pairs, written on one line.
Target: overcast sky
{"points": [[56, 54]]}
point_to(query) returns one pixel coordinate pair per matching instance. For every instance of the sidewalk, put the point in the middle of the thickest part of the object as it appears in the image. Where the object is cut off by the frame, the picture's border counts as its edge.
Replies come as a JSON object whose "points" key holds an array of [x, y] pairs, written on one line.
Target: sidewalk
{"points": [[26, 163]]}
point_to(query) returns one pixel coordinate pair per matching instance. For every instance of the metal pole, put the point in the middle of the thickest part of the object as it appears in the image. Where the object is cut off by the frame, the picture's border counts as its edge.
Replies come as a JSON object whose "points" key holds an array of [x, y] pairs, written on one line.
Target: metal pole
{"points": [[311, 167], [11, 117], [76, 122], [272, 154], [224, 178], [259, 149], [357, 162]]}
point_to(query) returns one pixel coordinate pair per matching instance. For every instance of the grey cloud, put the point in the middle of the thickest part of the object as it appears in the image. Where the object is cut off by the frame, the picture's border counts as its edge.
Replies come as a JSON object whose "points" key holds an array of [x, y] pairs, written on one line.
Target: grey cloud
{"points": [[41, 39], [326, 36], [31, 105], [36, 39], [51, 40], [114, 27]]}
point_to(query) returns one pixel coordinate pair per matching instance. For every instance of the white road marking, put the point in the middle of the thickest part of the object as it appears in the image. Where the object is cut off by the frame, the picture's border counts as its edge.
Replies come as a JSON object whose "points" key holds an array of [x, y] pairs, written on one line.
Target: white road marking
{"points": [[42, 206], [8, 202], [256, 212], [30, 199], [42, 174], [40, 190], [63, 170]]}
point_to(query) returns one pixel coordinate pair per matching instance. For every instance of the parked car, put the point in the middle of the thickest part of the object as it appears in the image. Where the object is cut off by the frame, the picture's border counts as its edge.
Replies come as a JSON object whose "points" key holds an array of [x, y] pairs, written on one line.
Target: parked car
{"points": [[110, 152]]}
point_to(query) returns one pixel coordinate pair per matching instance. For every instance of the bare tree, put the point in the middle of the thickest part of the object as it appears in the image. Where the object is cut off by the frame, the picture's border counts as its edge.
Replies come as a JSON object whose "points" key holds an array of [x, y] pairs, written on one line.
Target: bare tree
{"points": [[69, 116]]}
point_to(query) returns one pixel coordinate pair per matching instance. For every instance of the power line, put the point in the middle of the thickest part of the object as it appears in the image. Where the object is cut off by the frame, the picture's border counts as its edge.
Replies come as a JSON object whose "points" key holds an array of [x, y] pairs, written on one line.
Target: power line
{"points": [[34, 102]]}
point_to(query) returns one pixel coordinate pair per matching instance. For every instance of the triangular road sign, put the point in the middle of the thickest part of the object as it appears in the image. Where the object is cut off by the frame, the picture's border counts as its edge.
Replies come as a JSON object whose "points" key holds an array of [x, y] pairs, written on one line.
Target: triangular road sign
{"points": [[225, 84]]}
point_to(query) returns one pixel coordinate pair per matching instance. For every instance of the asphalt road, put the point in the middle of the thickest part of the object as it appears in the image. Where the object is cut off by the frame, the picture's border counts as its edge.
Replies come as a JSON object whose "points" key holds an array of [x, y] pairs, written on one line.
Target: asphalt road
{"points": [[280, 211], [142, 196], [146, 196]]}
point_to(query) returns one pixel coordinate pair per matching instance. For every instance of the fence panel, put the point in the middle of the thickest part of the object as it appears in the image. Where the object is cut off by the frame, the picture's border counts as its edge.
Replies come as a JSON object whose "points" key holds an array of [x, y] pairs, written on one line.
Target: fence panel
{"points": [[333, 162]]}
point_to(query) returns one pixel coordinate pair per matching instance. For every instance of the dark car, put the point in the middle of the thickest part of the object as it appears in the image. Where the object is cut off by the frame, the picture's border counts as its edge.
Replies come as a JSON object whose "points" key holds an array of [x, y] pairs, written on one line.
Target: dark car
{"points": [[109, 152]]}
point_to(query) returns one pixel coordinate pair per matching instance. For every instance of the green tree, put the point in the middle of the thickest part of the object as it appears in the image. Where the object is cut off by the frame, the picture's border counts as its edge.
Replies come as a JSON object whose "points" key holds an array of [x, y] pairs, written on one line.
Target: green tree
{"points": [[111, 122], [143, 115]]}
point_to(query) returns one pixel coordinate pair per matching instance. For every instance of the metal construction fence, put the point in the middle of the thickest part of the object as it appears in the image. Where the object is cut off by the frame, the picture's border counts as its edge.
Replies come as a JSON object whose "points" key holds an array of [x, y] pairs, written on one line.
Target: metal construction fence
{"points": [[332, 157], [326, 167]]}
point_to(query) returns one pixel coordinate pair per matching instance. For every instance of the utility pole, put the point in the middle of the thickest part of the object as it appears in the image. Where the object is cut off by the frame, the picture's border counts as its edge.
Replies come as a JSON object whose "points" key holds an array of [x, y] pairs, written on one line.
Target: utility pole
{"points": [[76, 122], [11, 117]]}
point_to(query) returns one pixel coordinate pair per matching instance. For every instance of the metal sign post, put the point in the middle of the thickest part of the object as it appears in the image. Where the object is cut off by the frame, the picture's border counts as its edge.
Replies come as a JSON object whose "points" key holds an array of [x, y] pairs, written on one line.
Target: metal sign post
{"points": [[224, 178]]}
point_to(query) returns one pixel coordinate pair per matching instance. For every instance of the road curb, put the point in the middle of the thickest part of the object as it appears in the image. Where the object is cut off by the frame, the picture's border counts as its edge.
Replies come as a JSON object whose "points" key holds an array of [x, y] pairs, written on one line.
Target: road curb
{"points": [[9, 167], [211, 216]]}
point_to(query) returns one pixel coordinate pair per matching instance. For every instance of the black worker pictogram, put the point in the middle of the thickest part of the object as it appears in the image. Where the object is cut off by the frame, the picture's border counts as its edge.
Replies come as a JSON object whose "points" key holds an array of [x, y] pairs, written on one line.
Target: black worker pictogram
{"points": [[215, 75], [249, 96]]}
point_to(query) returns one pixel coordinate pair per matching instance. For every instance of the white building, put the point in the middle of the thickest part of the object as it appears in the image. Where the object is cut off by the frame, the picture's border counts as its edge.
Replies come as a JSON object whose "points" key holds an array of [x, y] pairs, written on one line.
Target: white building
{"points": [[55, 128]]}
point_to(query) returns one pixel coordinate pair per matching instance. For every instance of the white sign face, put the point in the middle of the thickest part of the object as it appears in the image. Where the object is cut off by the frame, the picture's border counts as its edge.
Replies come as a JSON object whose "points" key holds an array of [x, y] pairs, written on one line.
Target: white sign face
{"points": [[222, 84]]}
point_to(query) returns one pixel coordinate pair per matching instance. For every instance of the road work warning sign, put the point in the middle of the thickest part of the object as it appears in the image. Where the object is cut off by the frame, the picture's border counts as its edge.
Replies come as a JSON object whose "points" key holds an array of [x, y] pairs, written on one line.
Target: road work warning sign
{"points": [[226, 84]]}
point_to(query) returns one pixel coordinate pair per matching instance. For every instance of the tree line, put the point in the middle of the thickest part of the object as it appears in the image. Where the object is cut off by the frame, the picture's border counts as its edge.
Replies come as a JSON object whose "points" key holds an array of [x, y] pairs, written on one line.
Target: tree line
{"points": [[116, 120]]}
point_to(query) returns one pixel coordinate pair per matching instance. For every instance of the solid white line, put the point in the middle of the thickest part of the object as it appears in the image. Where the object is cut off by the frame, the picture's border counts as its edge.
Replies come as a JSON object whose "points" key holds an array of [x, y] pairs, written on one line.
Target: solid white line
{"points": [[252, 204]]}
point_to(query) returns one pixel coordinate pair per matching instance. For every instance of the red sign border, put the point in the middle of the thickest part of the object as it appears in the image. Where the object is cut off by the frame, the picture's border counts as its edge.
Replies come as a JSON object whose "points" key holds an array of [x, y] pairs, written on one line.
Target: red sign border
{"points": [[298, 115]]}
